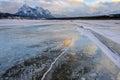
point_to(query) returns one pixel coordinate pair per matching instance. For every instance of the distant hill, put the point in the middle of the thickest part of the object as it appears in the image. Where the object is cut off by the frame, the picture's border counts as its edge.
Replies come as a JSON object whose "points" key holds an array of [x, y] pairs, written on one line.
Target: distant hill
{"points": [[28, 12], [114, 15], [100, 17]]}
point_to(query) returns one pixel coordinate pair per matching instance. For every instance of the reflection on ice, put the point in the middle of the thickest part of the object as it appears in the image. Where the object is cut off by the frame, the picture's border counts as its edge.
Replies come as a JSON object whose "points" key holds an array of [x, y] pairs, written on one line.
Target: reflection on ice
{"points": [[90, 49], [105, 67], [67, 42]]}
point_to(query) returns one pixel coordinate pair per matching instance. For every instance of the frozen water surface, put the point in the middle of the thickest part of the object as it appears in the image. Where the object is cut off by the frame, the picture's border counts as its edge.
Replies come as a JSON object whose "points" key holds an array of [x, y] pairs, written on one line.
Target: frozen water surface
{"points": [[27, 52]]}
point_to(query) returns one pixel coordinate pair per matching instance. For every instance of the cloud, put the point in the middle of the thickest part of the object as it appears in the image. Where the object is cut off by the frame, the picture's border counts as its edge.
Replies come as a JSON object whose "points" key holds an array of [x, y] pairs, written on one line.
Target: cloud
{"points": [[11, 7], [75, 0], [66, 7], [116, 0], [96, 8], [106, 8], [30, 0]]}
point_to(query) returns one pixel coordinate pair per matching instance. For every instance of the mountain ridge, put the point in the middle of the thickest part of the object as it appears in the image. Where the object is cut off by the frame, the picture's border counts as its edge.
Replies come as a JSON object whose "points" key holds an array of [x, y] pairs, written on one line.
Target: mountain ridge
{"points": [[28, 12], [37, 12]]}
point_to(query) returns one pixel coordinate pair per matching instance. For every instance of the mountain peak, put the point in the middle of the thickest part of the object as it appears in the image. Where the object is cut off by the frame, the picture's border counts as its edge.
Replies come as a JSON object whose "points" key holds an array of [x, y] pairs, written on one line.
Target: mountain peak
{"points": [[25, 5], [37, 12]]}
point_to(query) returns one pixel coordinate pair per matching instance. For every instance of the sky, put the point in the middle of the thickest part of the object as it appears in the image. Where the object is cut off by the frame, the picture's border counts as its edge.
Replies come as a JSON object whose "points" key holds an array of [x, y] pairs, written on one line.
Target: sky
{"points": [[66, 7]]}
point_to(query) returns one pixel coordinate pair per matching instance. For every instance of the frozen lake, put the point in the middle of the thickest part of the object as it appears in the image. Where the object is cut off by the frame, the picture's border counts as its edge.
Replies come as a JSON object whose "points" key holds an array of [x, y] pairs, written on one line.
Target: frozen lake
{"points": [[27, 51]]}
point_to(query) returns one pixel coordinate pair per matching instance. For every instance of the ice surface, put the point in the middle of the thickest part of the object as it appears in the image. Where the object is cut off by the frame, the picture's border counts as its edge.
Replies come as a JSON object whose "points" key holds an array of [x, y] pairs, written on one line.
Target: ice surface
{"points": [[115, 58], [29, 47], [107, 28]]}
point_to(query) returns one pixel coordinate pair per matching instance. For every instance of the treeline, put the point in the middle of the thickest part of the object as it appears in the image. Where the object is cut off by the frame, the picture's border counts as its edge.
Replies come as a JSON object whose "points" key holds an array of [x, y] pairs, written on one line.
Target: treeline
{"points": [[103, 17], [15, 16]]}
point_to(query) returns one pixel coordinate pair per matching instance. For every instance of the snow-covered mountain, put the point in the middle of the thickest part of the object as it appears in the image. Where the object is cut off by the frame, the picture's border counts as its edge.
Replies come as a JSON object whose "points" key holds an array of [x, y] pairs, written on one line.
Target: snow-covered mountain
{"points": [[37, 12]]}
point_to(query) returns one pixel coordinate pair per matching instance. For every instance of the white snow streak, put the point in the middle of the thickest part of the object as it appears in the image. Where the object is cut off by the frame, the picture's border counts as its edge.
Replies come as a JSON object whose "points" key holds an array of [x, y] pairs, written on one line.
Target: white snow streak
{"points": [[44, 75], [115, 58]]}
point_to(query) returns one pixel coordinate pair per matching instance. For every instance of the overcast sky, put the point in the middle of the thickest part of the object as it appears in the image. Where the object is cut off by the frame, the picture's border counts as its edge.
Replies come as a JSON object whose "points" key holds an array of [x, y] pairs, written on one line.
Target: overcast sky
{"points": [[66, 7]]}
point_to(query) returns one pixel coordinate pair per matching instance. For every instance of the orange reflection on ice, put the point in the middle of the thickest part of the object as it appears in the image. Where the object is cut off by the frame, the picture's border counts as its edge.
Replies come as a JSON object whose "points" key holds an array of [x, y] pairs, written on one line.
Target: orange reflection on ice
{"points": [[67, 42]]}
